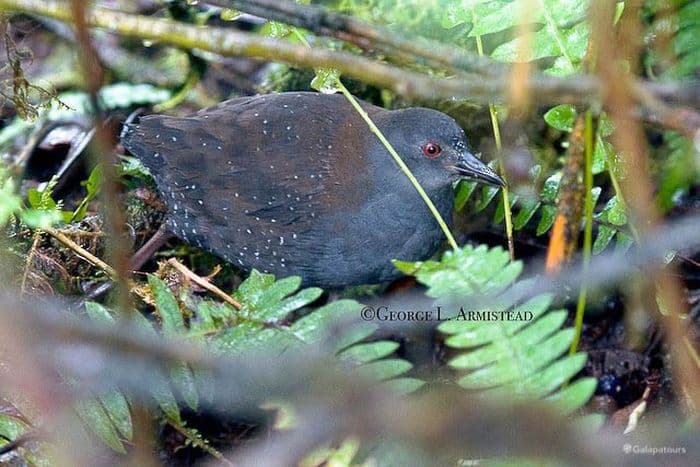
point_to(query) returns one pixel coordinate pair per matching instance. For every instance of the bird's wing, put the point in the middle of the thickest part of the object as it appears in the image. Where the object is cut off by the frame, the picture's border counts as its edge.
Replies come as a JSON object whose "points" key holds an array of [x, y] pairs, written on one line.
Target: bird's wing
{"points": [[252, 166]]}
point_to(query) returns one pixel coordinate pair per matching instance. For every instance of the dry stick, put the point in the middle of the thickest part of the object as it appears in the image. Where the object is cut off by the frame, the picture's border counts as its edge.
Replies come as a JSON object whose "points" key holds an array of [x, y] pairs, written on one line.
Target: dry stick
{"points": [[522, 69], [612, 51], [118, 250], [323, 22], [588, 229], [544, 89], [200, 443], [103, 153], [204, 283], [683, 120], [28, 263], [81, 252]]}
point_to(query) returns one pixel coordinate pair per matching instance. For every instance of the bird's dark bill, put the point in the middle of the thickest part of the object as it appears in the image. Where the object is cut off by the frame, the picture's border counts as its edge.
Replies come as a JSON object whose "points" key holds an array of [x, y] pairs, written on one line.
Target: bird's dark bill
{"points": [[472, 168]]}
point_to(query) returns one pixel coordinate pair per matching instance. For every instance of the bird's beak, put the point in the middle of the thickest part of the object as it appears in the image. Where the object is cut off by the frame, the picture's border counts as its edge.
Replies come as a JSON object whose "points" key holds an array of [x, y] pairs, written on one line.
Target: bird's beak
{"points": [[472, 168]]}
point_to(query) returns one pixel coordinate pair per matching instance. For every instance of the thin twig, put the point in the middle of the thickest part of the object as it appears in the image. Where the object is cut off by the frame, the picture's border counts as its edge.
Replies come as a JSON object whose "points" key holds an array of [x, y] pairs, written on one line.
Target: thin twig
{"points": [[198, 442], [683, 120], [323, 22], [507, 213], [614, 49], [118, 250], [588, 229], [30, 258], [542, 88], [18, 442], [204, 283], [81, 252]]}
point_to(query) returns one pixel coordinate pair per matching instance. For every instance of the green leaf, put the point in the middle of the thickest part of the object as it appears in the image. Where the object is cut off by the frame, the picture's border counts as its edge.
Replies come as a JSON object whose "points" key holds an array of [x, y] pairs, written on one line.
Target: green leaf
{"points": [[364, 353], [563, 37], [561, 117], [617, 214], [92, 186], [160, 390], [680, 170], [551, 188], [354, 335], [493, 17], [40, 219], [167, 307], [547, 216], [536, 305], [253, 287], [466, 11], [605, 126], [94, 415], [464, 192], [276, 306], [133, 167], [10, 427], [403, 386], [326, 80], [94, 182], [531, 360], [464, 271], [573, 396], [555, 375], [99, 313], [117, 408], [10, 203], [126, 95], [211, 316], [605, 234], [174, 325], [489, 332], [159, 386], [316, 325], [487, 195], [185, 382], [34, 198], [500, 213], [524, 358], [528, 209], [614, 212], [623, 242], [381, 370], [277, 30]]}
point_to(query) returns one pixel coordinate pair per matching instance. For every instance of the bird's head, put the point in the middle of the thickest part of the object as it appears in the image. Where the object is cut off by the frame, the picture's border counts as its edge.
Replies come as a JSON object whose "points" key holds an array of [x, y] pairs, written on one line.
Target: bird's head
{"points": [[435, 148]]}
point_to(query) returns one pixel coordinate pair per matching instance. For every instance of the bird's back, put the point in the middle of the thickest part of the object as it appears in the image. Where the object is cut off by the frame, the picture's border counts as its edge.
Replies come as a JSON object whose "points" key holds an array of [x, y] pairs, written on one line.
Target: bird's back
{"points": [[257, 180]]}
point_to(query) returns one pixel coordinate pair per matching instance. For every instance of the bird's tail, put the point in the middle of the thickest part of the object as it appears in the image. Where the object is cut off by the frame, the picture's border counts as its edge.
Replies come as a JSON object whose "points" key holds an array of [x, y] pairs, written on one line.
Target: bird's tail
{"points": [[129, 138], [135, 138]]}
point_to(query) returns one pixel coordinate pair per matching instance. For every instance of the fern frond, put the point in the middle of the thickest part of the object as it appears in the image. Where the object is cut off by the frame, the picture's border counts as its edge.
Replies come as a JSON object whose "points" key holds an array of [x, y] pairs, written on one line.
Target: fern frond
{"points": [[522, 358]]}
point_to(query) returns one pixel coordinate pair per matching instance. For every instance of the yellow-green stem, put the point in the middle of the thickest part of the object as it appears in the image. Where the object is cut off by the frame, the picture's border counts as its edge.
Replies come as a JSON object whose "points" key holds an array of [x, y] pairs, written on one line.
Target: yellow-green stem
{"points": [[612, 167], [402, 165], [192, 80], [588, 230], [508, 215]]}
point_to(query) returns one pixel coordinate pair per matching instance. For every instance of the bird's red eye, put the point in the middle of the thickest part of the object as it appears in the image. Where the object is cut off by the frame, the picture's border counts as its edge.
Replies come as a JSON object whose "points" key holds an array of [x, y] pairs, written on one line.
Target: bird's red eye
{"points": [[431, 149]]}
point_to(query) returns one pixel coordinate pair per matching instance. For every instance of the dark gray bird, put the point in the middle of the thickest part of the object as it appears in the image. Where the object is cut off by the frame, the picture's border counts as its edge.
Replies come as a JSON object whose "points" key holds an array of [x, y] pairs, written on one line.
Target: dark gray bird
{"points": [[296, 184]]}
